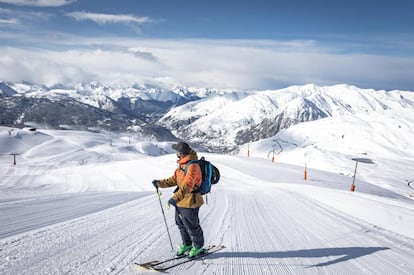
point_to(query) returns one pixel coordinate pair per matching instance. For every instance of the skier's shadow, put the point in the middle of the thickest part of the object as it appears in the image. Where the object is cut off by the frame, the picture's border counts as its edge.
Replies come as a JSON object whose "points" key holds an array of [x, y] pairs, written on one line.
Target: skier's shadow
{"points": [[344, 254]]}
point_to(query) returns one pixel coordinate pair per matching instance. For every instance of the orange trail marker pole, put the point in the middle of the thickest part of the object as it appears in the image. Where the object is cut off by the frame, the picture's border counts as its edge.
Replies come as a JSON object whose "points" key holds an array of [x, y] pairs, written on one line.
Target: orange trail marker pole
{"points": [[248, 149], [305, 173], [353, 179], [363, 160]]}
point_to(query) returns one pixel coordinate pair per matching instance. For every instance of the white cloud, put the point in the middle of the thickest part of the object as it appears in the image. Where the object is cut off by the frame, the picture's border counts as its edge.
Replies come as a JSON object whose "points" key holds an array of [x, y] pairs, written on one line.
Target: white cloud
{"points": [[38, 67], [204, 63], [11, 21], [102, 18], [17, 17], [39, 3]]}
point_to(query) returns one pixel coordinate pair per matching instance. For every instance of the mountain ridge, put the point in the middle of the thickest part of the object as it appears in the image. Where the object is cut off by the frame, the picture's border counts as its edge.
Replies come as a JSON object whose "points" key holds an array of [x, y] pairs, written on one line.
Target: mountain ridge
{"points": [[216, 120]]}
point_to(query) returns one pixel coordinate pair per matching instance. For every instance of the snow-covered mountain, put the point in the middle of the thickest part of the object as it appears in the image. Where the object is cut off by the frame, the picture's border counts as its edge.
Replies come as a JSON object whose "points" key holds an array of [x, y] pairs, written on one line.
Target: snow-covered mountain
{"points": [[93, 209], [90, 106], [95, 106], [217, 120], [5, 90], [331, 144], [233, 119]]}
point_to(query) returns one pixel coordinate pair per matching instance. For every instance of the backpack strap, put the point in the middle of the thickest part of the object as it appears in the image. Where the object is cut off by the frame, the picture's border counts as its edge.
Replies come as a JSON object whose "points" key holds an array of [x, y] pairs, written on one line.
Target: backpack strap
{"points": [[188, 163], [196, 188]]}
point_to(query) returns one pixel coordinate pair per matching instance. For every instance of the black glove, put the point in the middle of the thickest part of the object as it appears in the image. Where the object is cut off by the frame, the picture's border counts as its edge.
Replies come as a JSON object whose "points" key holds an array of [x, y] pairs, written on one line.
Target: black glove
{"points": [[155, 183], [172, 202]]}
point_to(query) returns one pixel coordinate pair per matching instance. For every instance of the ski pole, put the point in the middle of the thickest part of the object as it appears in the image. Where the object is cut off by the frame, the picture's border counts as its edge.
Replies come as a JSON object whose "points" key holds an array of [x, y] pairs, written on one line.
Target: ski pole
{"points": [[165, 221]]}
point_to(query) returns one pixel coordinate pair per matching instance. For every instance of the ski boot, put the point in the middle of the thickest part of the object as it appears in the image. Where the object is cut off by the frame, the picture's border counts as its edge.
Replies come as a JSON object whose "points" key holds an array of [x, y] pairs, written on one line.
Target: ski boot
{"points": [[182, 249], [194, 252]]}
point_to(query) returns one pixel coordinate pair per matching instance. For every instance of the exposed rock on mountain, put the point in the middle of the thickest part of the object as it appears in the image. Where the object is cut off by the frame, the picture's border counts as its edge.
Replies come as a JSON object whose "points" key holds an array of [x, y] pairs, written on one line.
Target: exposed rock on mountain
{"points": [[215, 120]]}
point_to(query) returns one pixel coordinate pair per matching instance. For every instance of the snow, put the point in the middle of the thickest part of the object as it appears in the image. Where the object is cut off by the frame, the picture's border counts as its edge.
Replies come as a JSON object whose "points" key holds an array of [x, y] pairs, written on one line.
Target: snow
{"points": [[233, 118], [331, 143], [83, 203]]}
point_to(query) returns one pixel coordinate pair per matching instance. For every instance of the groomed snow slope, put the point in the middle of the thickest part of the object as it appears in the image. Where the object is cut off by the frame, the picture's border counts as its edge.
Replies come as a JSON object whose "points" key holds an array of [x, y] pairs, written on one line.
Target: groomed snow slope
{"points": [[101, 216]]}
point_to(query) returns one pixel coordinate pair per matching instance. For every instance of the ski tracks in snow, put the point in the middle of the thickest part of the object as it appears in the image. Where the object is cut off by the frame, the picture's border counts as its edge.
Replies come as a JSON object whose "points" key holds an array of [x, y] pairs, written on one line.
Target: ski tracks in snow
{"points": [[98, 243], [266, 229], [272, 230]]}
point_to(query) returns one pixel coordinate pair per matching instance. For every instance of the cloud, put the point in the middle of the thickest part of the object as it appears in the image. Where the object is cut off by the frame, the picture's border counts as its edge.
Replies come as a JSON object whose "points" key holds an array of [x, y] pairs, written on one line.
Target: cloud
{"points": [[103, 18], [22, 64], [38, 3], [19, 17], [11, 21], [146, 55], [238, 64]]}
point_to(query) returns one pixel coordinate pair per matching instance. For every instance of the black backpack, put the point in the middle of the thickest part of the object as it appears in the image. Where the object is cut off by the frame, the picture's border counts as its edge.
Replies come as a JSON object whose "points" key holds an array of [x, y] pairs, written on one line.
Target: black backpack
{"points": [[210, 175]]}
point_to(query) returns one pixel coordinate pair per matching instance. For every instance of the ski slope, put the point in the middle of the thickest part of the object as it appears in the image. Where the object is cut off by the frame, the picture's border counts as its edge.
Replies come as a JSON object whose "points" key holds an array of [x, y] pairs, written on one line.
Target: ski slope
{"points": [[89, 208]]}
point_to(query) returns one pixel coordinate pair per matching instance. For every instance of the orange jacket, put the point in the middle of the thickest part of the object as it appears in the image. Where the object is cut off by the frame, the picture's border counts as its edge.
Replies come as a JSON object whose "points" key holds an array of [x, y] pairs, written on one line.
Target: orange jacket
{"points": [[186, 182]]}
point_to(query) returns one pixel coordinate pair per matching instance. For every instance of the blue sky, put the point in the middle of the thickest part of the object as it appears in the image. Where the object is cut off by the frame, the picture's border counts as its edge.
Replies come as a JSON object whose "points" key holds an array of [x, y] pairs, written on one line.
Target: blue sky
{"points": [[218, 44]]}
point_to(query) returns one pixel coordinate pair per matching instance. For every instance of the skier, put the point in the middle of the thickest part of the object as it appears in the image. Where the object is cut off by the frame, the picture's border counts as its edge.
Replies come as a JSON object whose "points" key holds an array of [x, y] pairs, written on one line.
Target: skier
{"points": [[186, 203]]}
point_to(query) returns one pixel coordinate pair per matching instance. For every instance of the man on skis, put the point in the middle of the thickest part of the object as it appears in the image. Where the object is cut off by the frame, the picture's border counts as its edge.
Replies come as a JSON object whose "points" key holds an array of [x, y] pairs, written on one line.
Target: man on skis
{"points": [[186, 202]]}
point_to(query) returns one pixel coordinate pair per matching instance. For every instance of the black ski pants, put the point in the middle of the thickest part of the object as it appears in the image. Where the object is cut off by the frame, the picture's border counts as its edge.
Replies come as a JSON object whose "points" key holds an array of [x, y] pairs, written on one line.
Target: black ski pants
{"points": [[189, 225]]}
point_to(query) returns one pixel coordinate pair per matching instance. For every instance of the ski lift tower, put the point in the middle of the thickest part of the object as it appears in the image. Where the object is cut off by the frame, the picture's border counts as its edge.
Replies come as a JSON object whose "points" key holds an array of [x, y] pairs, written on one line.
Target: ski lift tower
{"points": [[14, 157], [357, 160]]}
